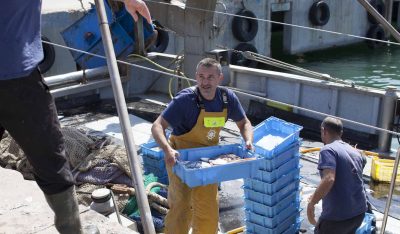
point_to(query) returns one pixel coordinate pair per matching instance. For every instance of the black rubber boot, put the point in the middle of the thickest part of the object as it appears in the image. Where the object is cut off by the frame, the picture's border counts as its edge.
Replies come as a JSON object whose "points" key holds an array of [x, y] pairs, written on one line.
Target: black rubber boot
{"points": [[66, 211]]}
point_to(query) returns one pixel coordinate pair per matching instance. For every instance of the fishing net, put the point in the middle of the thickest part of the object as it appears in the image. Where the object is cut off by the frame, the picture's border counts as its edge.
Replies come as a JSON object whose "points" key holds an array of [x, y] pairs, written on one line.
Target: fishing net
{"points": [[94, 164]]}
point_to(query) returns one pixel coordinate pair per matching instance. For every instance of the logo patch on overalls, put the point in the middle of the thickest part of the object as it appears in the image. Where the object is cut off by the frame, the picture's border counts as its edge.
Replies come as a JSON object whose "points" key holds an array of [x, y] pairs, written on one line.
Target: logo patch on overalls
{"points": [[211, 134]]}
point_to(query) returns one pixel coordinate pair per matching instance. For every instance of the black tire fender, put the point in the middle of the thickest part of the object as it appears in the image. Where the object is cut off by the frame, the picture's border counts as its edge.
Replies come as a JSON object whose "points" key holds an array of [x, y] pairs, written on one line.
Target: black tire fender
{"points": [[319, 13], [49, 56], [379, 5], [245, 29], [376, 31], [162, 41], [238, 59]]}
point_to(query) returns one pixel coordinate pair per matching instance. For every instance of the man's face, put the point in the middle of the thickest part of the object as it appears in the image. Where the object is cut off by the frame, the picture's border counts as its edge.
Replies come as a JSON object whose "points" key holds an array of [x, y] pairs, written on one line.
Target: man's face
{"points": [[208, 78]]}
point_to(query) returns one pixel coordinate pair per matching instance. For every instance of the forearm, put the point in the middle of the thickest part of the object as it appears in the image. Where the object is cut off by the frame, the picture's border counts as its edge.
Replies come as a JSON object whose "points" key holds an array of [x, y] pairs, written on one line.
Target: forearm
{"points": [[322, 190], [246, 130], [159, 136]]}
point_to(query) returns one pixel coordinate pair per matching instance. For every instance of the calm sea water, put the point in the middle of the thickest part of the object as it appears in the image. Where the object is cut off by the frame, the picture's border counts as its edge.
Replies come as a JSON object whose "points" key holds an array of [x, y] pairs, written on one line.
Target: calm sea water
{"points": [[376, 68], [367, 67]]}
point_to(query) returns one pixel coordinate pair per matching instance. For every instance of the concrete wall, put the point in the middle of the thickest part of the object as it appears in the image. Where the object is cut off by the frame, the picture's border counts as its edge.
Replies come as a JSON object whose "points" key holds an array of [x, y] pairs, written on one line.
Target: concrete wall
{"points": [[222, 32], [346, 16]]}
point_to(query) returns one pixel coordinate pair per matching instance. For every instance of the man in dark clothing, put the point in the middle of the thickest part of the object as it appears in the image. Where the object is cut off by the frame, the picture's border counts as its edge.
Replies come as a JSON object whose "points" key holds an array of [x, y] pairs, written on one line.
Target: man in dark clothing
{"points": [[27, 109], [341, 188]]}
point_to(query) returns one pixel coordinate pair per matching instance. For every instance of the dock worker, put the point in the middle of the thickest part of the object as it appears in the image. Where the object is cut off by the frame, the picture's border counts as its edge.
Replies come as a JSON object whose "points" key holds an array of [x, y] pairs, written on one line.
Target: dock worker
{"points": [[341, 188], [27, 109], [187, 115]]}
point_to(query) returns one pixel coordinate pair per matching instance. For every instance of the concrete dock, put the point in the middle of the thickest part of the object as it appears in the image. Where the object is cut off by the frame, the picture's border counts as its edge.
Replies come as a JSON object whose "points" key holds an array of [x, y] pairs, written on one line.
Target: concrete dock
{"points": [[23, 209]]}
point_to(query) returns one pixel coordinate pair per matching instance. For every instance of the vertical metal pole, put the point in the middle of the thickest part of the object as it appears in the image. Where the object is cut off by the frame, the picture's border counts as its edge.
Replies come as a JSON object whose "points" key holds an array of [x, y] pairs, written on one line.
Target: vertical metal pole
{"points": [[388, 103], [391, 189], [388, 14], [386, 25], [398, 16], [137, 178]]}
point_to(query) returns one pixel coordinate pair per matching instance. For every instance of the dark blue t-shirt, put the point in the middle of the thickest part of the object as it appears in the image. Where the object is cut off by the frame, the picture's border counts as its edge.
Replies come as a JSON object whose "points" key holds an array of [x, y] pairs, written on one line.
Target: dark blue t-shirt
{"points": [[347, 197], [182, 112], [20, 43]]}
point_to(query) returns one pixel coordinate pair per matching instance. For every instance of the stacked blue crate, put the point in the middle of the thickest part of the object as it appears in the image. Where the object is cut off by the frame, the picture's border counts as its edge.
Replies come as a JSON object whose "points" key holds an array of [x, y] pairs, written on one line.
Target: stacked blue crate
{"points": [[272, 196], [153, 161]]}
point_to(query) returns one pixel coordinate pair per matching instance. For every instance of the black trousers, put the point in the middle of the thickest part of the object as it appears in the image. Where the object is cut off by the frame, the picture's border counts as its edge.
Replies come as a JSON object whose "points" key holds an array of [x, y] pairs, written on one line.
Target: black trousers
{"points": [[348, 226], [28, 113]]}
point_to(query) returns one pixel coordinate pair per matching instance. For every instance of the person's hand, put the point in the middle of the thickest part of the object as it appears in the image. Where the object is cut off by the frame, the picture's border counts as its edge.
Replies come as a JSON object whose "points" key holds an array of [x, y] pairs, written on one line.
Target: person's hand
{"points": [[170, 157], [249, 145], [311, 213], [138, 6]]}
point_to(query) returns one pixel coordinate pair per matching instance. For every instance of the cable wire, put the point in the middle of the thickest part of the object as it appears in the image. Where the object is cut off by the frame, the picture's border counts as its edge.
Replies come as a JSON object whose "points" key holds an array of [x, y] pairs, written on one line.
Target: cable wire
{"points": [[281, 23], [240, 91]]}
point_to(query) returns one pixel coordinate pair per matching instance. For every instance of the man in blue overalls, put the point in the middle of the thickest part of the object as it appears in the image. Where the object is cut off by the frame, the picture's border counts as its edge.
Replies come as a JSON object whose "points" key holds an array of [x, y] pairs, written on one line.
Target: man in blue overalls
{"points": [[196, 116]]}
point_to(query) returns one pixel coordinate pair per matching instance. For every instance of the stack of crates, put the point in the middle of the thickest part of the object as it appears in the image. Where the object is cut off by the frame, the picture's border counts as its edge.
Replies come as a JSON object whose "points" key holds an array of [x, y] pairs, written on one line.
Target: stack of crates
{"points": [[272, 195], [153, 161]]}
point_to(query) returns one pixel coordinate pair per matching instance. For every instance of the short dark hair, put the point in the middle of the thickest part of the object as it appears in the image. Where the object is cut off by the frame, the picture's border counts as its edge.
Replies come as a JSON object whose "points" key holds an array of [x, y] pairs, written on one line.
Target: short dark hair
{"points": [[333, 125], [209, 62]]}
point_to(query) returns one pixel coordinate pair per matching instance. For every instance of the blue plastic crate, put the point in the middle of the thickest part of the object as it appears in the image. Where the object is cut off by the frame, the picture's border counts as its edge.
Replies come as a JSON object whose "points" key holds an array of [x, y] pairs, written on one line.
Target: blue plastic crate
{"points": [[271, 200], [271, 188], [159, 172], [274, 135], [287, 216], [271, 211], [151, 149], [270, 164], [367, 225], [218, 173], [150, 160], [284, 169], [288, 223], [163, 180], [294, 228], [274, 221]]}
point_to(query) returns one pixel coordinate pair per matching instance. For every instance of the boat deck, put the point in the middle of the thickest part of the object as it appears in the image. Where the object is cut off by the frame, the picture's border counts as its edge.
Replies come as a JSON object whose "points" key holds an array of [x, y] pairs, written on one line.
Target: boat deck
{"points": [[24, 210]]}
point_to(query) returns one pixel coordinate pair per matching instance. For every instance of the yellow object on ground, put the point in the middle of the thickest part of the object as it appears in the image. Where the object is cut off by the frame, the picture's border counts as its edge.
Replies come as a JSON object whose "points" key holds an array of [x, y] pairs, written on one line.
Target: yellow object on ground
{"points": [[303, 151], [196, 207], [382, 170], [236, 230]]}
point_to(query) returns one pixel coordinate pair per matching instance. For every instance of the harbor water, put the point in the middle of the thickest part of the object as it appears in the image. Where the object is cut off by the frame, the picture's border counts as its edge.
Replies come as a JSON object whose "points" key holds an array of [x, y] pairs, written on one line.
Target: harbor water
{"points": [[377, 68]]}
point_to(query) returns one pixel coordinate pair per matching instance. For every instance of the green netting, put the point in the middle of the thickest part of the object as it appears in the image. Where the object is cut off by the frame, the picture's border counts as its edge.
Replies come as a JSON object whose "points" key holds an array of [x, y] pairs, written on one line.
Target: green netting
{"points": [[131, 207]]}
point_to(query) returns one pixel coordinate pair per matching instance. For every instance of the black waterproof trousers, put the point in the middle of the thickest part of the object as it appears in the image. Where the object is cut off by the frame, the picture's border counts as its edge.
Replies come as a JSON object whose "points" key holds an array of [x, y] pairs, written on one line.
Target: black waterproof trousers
{"points": [[348, 226], [28, 113]]}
